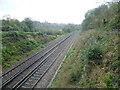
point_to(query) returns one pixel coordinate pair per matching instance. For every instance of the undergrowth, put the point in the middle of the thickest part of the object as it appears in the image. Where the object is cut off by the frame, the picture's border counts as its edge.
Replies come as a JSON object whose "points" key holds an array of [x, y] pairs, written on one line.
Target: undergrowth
{"points": [[93, 62], [17, 45]]}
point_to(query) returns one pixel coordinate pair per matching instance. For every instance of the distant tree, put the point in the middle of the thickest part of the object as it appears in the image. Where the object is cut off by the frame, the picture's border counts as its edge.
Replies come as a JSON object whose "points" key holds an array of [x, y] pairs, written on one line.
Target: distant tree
{"points": [[70, 27], [29, 24]]}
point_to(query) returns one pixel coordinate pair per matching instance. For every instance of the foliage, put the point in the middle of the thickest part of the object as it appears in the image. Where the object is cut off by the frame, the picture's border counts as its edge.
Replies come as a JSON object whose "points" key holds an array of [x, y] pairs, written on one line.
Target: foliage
{"points": [[94, 53], [70, 27], [110, 80], [17, 45], [29, 25], [105, 17]]}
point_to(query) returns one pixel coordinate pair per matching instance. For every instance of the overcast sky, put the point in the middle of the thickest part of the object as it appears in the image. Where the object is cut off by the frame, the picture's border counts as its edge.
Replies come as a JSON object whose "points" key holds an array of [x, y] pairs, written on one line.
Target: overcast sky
{"points": [[54, 11]]}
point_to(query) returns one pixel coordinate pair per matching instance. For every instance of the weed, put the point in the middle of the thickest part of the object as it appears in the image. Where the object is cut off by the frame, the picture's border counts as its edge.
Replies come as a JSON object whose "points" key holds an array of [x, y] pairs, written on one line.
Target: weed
{"points": [[110, 80], [69, 53], [75, 77]]}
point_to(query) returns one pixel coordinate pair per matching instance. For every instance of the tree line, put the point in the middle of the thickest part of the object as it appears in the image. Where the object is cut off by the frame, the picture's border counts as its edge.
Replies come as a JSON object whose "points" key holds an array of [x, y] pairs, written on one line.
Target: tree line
{"points": [[104, 17], [29, 25]]}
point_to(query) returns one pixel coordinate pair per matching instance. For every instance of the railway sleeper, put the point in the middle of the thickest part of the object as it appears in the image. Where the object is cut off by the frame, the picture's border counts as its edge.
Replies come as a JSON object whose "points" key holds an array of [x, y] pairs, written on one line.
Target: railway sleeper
{"points": [[36, 75], [25, 86], [35, 78], [31, 84]]}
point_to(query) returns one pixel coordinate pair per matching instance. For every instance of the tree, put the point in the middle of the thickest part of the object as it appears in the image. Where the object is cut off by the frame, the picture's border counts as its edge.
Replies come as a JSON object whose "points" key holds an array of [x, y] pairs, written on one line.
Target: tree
{"points": [[29, 24], [105, 17]]}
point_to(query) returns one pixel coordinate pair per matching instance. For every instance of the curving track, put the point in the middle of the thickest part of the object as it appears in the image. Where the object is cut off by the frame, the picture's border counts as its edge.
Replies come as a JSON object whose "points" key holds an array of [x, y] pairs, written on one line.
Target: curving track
{"points": [[28, 73]]}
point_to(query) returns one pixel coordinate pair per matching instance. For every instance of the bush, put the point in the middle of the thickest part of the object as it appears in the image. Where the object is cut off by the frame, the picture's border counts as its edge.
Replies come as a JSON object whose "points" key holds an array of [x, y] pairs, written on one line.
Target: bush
{"points": [[94, 53]]}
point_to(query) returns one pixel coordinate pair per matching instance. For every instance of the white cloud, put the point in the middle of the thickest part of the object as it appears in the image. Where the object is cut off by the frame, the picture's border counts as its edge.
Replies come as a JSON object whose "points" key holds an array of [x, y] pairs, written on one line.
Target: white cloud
{"points": [[59, 11]]}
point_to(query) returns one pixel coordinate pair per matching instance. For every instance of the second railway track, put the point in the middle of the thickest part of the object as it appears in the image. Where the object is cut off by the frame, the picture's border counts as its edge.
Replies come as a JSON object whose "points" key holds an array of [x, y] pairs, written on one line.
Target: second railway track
{"points": [[34, 68]]}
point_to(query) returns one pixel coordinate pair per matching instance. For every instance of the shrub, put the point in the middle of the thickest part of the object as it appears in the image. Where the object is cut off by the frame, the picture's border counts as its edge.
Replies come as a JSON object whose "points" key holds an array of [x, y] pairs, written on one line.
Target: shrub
{"points": [[94, 53]]}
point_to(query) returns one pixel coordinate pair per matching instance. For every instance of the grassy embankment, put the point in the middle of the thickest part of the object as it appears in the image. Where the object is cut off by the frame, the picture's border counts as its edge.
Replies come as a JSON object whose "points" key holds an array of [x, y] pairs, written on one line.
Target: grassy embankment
{"points": [[18, 45], [91, 62]]}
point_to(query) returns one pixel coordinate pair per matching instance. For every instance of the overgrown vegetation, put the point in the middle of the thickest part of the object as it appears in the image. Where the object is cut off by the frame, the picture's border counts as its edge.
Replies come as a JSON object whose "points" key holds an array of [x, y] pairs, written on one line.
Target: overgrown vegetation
{"points": [[93, 61], [21, 38], [17, 45]]}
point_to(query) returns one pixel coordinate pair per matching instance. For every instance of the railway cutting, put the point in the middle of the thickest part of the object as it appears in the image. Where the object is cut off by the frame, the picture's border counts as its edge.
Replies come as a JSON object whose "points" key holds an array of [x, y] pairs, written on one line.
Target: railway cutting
{"points": [[37, 71]]}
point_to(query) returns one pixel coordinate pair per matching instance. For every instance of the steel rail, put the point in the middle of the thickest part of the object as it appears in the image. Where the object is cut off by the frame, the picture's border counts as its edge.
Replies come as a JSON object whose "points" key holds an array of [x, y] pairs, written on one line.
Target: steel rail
{"points": [[20, 83], [47, 69], [21, 63], [15, 75], [27, 77]]}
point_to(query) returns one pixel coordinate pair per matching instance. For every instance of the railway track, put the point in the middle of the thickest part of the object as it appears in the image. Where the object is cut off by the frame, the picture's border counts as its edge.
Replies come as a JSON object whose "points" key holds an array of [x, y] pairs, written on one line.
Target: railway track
{"points": [[28, 73]]}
